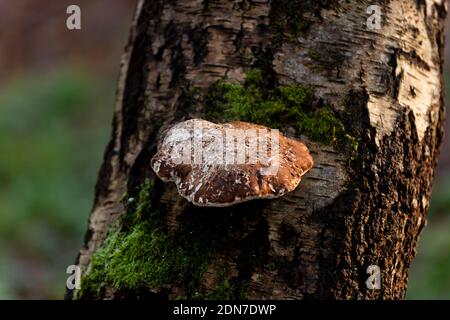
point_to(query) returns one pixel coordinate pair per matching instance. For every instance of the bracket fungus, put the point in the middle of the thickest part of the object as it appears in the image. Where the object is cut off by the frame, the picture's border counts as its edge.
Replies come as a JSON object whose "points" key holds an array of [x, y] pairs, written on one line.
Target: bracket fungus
{"points": [[219, 165]]}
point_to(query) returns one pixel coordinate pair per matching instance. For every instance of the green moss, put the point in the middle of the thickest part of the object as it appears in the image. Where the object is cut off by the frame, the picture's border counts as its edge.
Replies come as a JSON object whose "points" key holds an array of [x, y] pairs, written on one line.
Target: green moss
{"points": [[313, 54], [141, 254], [284, 105], [141, 209], [254, 77], [127, 260]]}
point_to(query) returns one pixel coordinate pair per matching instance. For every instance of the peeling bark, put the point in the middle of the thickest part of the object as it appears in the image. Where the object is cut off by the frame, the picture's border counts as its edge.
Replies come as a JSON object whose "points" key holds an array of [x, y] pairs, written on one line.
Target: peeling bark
{"points": [[349, 213]]}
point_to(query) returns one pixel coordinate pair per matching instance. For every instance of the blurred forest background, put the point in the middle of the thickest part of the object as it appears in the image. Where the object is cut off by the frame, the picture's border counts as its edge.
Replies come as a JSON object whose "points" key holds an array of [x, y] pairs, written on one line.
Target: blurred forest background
{"points": [[57, 90]]}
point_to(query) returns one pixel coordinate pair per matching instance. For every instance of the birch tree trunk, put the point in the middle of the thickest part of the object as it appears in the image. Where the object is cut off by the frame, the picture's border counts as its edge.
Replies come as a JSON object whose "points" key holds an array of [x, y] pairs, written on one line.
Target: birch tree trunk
{"points": [[357, 207]]}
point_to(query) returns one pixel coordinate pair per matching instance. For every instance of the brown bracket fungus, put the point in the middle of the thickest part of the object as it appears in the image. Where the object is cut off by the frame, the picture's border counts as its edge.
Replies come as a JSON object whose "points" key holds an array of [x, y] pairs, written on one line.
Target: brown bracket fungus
{"points": [[220, 165]]}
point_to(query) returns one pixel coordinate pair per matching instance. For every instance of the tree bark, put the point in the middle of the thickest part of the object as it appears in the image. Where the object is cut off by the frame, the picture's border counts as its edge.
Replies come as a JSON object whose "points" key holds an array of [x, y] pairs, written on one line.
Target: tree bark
{"points": [[350, 211]]}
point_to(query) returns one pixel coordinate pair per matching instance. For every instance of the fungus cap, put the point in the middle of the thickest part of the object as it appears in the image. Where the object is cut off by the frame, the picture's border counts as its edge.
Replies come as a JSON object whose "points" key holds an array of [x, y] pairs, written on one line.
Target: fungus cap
{"points": [[219, 165]]}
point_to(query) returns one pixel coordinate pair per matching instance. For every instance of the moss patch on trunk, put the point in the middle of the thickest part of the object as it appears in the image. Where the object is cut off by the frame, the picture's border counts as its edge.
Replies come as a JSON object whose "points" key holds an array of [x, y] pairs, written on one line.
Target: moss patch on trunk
{"points": [[286, 105], [139, 253]]}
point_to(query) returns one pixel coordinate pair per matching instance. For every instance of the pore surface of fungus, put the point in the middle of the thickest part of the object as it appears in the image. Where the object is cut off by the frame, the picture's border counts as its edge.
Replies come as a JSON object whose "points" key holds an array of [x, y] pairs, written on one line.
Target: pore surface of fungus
{"points": [[224, 164]]}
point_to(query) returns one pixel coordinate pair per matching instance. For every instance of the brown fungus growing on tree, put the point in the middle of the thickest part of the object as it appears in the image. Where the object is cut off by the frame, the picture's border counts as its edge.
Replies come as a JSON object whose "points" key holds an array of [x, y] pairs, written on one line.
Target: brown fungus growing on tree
{"points": [[219, 165]]}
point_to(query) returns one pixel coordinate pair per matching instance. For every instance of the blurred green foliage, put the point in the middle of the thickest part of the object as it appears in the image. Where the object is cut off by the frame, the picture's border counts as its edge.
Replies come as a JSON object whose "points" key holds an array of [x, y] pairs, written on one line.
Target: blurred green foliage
{"points": [[430, 273], [53, 129]]}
